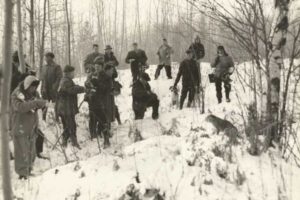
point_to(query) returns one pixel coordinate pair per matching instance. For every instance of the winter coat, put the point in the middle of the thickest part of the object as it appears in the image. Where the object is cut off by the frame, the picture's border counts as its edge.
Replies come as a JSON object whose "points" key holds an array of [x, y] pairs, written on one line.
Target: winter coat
{"points": [[52, 74], [222, 64], [24, 128], [103, 97], [110, 59], [164, 54], [198, 50], [90, 59], [67, 102], [189, 72], [141, 95], [140, 59]]}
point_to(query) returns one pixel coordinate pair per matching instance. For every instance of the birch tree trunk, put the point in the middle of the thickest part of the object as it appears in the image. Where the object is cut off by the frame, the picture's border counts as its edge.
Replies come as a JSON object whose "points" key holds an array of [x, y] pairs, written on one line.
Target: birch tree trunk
{"points": [[68, 33], [50, 26], [5, 105], [31, 27], [276, 64], [42, 47], [20, 37]]}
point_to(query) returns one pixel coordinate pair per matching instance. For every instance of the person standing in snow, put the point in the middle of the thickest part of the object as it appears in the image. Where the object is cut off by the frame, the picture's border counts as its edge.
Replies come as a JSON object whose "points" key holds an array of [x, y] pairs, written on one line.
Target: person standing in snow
{"points": [[224, 67], [103, 106], [51, 76], [197, 49], [164, 54], [109, 58], [137, 59], [67, 105], [25, 102], [88, 63], [143, 97], [189, 72]]}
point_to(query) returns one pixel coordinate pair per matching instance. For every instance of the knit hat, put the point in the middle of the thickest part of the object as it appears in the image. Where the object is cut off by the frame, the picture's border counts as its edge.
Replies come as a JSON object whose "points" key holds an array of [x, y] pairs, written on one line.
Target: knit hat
{"points": [[145, 76], [68, 69], [30, 81], [99, 60]]}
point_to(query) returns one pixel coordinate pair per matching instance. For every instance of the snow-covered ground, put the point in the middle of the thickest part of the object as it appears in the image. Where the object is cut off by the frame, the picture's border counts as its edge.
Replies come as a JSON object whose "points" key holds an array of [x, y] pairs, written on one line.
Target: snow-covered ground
{"points": [[180, 154]]}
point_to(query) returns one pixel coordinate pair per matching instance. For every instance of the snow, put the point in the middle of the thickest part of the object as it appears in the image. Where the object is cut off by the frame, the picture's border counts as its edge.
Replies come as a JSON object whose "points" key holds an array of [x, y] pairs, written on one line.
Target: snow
{"points": [[183, 162]]}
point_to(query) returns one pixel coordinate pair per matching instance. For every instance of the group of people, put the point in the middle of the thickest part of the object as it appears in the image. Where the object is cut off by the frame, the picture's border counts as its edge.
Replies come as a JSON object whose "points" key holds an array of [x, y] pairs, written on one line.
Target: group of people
{"points": [[100, 88]]}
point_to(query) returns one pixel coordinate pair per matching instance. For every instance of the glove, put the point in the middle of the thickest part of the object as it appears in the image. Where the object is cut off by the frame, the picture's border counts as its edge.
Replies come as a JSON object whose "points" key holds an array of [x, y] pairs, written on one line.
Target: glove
{"points": [[40, 103]]}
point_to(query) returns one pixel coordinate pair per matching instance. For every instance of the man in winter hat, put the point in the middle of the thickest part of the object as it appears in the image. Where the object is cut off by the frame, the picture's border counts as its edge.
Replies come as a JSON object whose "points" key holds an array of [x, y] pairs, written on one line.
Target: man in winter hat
{"points": [[67, 105]]}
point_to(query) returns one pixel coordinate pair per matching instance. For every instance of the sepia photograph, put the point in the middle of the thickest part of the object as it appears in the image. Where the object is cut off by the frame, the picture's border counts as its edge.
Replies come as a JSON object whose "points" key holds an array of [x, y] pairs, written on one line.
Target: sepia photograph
{"points": [[150, 99]]}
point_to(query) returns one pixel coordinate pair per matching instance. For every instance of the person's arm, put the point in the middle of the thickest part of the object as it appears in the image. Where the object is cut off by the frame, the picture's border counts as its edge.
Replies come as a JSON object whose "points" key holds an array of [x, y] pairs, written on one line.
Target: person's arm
{"points": [[179, 74], [116, 61], [128, 57], [215, 62], [70, 88], [20, 105], [58, 75], [202, 51], [144, 57]]}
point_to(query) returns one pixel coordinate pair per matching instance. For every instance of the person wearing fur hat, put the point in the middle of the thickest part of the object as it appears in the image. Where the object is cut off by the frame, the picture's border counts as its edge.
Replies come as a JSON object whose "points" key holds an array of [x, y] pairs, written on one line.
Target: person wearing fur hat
{"points": [[109, 57], [67, 105], [224, 67], [102, 102], [143, 97], [189, 72], [25, 102]]}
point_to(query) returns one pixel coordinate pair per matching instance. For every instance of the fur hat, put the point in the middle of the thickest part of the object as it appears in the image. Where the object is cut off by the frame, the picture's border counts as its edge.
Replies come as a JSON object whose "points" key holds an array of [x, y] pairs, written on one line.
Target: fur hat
{"points": [[30, 81], [68, 69]]}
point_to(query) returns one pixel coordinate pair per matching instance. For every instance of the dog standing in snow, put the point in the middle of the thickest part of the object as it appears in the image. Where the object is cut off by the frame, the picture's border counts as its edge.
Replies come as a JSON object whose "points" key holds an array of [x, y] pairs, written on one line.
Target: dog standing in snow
{"points": [[225, 126], [175, 96]]}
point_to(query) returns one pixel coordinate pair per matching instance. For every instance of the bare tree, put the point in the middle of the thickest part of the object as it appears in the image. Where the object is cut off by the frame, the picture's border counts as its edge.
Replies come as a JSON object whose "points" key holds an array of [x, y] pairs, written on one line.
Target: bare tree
{"points": [[20, 38], [5, 99], [68, 33], [32, 38]]}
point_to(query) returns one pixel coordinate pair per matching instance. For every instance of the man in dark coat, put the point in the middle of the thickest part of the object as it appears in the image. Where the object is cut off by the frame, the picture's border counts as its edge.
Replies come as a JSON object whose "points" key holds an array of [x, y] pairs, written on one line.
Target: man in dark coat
{"points": [[189, 72], [143, 97], [67, 105], [109, 58], [137, 59], [164, 54], [224, 67], [52, 74], [90, 59], [102, 104], [25, 102]]}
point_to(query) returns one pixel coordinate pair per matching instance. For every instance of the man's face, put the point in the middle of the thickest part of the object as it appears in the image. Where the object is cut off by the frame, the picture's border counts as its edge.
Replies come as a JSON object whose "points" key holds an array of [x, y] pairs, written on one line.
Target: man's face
{"points": [[108, 51], [72, 74], [165, 42], [197, 40], [48, 59], [32, 89], [110, 72], [98, 67], [135, 47], [220, 53], [189, 55], [96, 49]]}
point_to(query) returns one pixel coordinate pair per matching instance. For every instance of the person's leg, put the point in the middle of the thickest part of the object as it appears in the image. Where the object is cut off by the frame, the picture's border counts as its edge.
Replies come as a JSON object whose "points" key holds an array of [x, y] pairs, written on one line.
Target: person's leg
{"points": [[168, 71], [157, 72], [184, 92], [218, 83], [134, 73], [102, 120], [227, 87], [39, 143], [73, 129], [139, 114], [92, 124], [154, 103], [191, 96], [117, 115], [65, 134]]}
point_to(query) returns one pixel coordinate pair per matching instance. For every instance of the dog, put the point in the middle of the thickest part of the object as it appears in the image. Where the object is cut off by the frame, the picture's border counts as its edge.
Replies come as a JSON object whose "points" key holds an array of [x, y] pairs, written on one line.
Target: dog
{"points": [[175, 96], [225, 126]]}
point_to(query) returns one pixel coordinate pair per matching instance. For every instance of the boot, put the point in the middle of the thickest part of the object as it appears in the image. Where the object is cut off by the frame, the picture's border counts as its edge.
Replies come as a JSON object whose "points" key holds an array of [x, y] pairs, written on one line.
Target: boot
{"points": [[22, 177], [64, 143], [155, 115], [219, 101], [75, 142], [189, 104], [228, 100], [41, 156], [106, 143]]}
